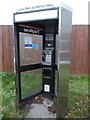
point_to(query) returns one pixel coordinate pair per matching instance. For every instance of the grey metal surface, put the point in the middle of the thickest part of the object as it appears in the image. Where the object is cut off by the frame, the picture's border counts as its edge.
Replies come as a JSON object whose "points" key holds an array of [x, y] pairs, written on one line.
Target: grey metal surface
{"points": [[65, 6], [48, 57], [65, 27]]}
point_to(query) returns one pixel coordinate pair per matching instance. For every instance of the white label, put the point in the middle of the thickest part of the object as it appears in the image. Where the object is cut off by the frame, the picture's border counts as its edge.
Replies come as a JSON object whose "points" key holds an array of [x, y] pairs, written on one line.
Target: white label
{"points": [[41, 15], [28, 42], [47, 88]]}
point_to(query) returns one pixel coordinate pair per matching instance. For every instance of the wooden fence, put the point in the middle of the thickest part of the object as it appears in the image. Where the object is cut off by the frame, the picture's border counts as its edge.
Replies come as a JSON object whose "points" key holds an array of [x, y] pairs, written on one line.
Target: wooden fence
{"points": [[79, 49], [7, 48]]}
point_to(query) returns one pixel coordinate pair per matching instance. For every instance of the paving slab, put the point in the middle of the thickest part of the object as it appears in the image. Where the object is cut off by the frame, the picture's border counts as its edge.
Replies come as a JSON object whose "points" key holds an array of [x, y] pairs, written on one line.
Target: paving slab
{"points": [[41, 110]]}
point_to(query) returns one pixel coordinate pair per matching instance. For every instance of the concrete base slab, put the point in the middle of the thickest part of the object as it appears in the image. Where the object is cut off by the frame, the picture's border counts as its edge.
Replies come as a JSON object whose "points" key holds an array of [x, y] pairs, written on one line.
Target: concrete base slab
{"points": [[41, 110]]}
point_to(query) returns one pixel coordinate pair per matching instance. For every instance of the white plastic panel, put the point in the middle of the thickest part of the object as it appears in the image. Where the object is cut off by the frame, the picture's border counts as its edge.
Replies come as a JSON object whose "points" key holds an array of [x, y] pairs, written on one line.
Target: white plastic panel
{"points": [[36, 15]]}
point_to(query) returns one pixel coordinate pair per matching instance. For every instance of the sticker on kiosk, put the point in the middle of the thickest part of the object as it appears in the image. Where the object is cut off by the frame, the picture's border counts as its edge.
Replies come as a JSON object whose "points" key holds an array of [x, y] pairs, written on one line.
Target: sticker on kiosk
{"points": [[28, 42], [47, 88]]}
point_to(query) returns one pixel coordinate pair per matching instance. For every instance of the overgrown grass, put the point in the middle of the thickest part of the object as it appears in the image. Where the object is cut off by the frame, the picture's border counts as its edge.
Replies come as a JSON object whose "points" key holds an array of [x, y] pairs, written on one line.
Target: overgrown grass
{"points": [[77, 102], [8, 97], [78, 97]]}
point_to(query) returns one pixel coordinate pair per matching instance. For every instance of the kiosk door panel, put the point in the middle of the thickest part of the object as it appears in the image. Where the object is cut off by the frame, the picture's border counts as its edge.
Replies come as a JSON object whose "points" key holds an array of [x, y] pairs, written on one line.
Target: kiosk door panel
{"points": [[30, 56]]}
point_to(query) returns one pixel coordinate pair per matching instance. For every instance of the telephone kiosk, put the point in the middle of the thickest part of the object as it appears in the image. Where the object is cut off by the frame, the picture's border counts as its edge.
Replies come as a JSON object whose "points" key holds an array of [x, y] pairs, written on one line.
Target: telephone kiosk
{"points": [[42, 39]]}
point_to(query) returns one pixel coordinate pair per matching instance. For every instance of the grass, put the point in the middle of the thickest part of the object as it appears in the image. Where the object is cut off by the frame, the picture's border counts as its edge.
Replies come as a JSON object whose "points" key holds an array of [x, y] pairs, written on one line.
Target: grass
{"points": [[78, 97], [30, 83], [77, 102], [0, 95], [8, 97]]}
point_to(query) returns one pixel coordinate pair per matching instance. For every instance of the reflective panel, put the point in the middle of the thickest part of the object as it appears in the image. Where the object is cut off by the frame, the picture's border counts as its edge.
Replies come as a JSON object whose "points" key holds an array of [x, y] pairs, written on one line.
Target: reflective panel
{"points": [[65, 56], [30, 48], [65, 45], [64, 62], [31, 82], [63, 85]]}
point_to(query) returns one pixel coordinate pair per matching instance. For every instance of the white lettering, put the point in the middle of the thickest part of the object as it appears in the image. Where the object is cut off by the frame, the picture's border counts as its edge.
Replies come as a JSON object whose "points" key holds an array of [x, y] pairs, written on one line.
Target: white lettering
{"points": [[31, 31]]}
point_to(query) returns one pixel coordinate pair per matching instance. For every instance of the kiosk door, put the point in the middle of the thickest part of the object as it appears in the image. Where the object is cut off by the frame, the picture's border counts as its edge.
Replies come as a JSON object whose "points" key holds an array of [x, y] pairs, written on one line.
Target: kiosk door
{"points": [[29, 57]]}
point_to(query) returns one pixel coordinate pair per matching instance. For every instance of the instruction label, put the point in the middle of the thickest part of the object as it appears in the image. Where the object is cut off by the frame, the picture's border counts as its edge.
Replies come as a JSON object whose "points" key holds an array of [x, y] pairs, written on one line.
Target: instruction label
{"points": [[47, 88], [28, 42]]}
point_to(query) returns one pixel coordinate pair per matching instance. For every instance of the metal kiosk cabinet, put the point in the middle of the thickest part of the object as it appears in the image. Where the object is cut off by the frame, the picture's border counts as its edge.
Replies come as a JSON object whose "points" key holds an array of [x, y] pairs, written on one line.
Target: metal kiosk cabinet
{"points": [[42, 53]]}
